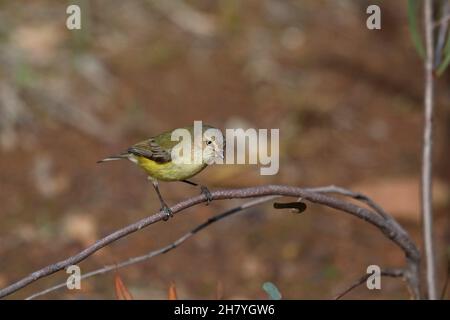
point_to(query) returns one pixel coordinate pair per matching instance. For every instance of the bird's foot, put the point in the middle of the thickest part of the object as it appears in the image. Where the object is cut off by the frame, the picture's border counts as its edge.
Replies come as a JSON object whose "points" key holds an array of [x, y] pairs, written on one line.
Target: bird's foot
{"points": [[207, 194], [168, 213]]}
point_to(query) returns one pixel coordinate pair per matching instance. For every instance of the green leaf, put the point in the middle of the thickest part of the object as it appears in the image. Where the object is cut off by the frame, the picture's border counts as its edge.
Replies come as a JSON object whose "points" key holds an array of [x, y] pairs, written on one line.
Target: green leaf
{"points": [[446, 61], [413, 7], [272, 291]]}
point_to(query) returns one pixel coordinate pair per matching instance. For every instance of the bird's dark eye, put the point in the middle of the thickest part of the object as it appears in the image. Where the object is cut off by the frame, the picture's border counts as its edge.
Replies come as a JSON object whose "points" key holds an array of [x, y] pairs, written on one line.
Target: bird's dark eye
{"points": [[208, 142]]}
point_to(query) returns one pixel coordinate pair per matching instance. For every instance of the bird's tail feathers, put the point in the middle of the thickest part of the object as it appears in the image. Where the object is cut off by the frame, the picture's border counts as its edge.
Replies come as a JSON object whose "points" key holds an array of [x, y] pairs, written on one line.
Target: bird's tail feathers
{"points": [[117, 157]]}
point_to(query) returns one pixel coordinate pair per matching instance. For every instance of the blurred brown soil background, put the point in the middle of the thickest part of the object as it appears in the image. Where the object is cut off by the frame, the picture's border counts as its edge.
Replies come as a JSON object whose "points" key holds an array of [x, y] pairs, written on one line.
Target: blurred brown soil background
{"points": [[347, 100]]}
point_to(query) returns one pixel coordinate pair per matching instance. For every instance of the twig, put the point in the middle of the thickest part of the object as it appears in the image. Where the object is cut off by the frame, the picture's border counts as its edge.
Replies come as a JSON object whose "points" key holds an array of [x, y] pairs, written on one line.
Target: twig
{"points": [[360, 197], [427, 156], [355, 195], [395, 273], [164, 249], [392, 231]]}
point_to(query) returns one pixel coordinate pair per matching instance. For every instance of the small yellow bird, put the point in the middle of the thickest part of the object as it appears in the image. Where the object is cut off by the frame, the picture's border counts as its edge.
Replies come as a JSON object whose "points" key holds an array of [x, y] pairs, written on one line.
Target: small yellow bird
{"points": [[155, 156]]}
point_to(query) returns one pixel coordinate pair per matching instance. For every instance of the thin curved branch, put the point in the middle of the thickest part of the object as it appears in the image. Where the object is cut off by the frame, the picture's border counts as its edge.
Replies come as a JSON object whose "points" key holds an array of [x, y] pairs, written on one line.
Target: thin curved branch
{"points": [[392, 231], [394, 273], [355, 195], [162, 250], [360, 197]]}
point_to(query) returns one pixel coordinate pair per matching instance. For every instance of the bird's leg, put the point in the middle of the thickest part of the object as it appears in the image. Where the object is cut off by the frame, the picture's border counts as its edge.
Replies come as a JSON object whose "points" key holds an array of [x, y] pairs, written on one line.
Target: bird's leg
{"points": [[164, 206], [190, 182], [204, 190]]}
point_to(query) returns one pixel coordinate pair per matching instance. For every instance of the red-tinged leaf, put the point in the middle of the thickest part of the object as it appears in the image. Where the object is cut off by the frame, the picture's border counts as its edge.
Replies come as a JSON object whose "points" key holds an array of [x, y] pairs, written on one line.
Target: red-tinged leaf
{"points": [[172, 292], [122, 292]]}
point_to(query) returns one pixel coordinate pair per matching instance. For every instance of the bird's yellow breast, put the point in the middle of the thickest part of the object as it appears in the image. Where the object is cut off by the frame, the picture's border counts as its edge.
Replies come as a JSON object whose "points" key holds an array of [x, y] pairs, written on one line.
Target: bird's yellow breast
{"points": [[169, 171]]}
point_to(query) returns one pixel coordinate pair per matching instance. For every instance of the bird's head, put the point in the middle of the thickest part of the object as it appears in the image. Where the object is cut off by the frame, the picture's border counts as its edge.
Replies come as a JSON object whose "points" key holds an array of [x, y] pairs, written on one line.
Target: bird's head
{"points": [[213, 146]]}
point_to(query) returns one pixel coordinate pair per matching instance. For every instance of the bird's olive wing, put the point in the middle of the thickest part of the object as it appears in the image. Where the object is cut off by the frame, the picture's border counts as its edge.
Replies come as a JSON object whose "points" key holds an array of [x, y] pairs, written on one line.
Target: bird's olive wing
{"points": [[150, 149]]}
